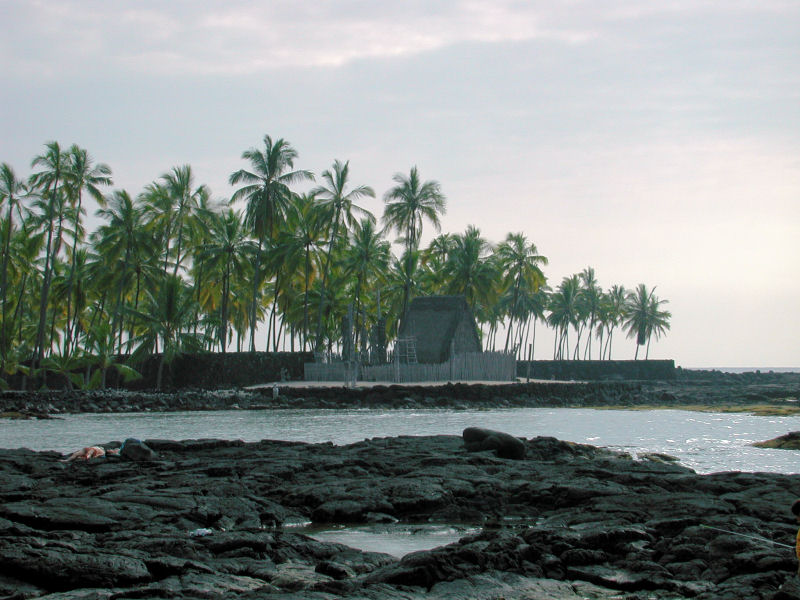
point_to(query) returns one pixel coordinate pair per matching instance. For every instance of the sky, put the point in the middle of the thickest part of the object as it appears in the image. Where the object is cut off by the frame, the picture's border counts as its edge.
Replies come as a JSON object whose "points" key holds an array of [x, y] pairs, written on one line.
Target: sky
{"points": [[657, 142]]}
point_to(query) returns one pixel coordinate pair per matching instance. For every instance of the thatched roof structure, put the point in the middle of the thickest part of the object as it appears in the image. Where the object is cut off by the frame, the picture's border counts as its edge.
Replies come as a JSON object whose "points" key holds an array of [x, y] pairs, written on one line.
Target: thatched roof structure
{"points": [[440, 323]]}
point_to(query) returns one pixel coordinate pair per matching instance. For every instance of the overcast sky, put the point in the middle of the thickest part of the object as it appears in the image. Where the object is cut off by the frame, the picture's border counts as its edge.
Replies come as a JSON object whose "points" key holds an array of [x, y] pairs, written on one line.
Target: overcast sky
{"points": [[658, 142]]}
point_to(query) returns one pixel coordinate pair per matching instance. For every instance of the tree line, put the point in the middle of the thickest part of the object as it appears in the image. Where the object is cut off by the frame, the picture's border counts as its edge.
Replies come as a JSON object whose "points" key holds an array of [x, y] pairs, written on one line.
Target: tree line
{"points": [[172, 270]]}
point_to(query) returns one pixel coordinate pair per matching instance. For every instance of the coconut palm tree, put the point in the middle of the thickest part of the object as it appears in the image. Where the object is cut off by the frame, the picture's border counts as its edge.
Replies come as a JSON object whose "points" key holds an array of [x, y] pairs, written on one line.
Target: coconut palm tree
{"points": [[434, 259], [53, 163], [408, 204], [226, 252], [127, 247], [590, 295], [367, 258], [11, 192], [644, 317], [614, 309], [520, 262], [168, 317], [403, 278], [564, 312], [340, 205], [471, 269], [305, 234], [185, 200], [267, 194], [81, 175]]}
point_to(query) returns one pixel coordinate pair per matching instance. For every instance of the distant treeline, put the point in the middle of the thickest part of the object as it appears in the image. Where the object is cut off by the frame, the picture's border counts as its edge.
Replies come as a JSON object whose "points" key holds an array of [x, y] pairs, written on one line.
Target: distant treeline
{"points": [[171, 270]]}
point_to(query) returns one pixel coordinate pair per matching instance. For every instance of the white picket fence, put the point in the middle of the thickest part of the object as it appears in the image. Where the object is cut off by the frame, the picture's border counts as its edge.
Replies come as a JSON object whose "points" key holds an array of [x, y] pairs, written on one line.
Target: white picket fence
{"points": [[471, 366]]}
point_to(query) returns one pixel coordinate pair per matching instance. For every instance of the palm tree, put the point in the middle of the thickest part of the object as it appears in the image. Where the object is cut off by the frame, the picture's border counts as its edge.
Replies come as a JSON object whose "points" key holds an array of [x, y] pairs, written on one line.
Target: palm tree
{"points": [[226, 252], [367, 258], [158, 206], [471, 269], [11, 190], [644, 317], [300, 242], [402, 278], [100, 344], [53, 163], [407, 205], [434, 258], [563, 308], [267, 194], [81, 175], [178, 184], [339, 204], [590, 295], [614, 309], [520, 262], [127, 248], [168, 317]]}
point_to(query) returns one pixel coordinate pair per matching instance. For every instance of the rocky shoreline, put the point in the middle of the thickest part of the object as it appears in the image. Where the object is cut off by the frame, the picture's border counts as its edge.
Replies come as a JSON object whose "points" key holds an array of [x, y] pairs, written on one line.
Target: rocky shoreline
{"points": [[711, 389], [211, 519]]}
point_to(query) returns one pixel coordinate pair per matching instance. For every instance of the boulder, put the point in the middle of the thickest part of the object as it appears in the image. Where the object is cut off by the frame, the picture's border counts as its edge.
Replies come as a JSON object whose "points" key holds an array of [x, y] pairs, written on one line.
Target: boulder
{"points": [[790, 441], [136, 450], [504, 445]]}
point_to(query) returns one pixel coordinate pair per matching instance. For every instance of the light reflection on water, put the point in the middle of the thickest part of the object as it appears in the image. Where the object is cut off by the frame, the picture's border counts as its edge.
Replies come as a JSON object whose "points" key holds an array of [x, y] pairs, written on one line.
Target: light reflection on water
{"points": [[706, 442], [397, 539]]}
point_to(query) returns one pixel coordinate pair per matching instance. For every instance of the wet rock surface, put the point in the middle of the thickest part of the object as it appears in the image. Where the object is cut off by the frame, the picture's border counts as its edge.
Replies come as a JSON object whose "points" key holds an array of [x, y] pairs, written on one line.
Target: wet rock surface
{"points": [[790, 441], [212, 519]]}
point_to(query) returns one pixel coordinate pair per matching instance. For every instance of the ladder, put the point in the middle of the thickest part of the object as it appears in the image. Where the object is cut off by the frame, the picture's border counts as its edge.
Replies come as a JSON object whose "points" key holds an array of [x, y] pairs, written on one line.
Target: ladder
{"points": [[407, 349]]}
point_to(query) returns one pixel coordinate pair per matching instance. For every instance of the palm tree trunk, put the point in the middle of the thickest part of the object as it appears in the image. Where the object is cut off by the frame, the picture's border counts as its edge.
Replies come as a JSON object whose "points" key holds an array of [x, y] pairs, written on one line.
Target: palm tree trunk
{"points": [[224, 308], [255, 297], [38, 354], [68, 336], [4, 282], [305, 299], [318, 340]]}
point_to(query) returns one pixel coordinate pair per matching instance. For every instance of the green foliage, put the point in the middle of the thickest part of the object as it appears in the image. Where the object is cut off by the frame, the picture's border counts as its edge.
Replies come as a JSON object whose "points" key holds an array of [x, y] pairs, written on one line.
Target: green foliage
{"points": [[170, 270]]}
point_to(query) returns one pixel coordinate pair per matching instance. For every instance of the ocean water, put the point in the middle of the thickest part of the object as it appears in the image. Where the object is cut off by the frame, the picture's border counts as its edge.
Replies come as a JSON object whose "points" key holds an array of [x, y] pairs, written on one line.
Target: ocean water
{"points": [[705, 442], [747, 369]]}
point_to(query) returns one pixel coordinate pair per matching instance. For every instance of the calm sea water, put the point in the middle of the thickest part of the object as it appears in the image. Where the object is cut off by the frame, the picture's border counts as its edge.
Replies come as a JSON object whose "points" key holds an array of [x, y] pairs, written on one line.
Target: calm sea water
{"points": [[706, 442]]}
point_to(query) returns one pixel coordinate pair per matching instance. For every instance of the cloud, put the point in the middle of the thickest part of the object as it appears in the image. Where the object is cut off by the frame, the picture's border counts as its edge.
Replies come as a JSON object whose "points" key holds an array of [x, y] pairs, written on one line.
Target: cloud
{"points": [[57, 37]]}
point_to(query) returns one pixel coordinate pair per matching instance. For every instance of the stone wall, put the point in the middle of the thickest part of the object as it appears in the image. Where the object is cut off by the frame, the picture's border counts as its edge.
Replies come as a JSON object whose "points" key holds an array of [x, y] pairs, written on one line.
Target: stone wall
{"points": [[216, 370], [598, 370]]}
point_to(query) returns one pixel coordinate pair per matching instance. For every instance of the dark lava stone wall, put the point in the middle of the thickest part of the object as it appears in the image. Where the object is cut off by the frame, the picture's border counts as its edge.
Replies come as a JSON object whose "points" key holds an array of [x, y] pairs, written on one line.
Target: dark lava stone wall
{"points": [[216, 370], [598, 370]]}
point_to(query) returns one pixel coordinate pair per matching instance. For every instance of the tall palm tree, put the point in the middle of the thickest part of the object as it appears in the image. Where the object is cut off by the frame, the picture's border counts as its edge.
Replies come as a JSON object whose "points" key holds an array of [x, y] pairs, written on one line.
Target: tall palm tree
{"points": [[590, 295], [266, 191], [472, 269], [81, 175], [434, 259], [11, 191], [614, 309], [520, 262], [168, 316], [179, 184], [403, 278], [304, 236], [53, 164], [408, 204], [644, 317], [128, 249], [367, 258], [563, 307], [227, 252], [340, 205]]}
